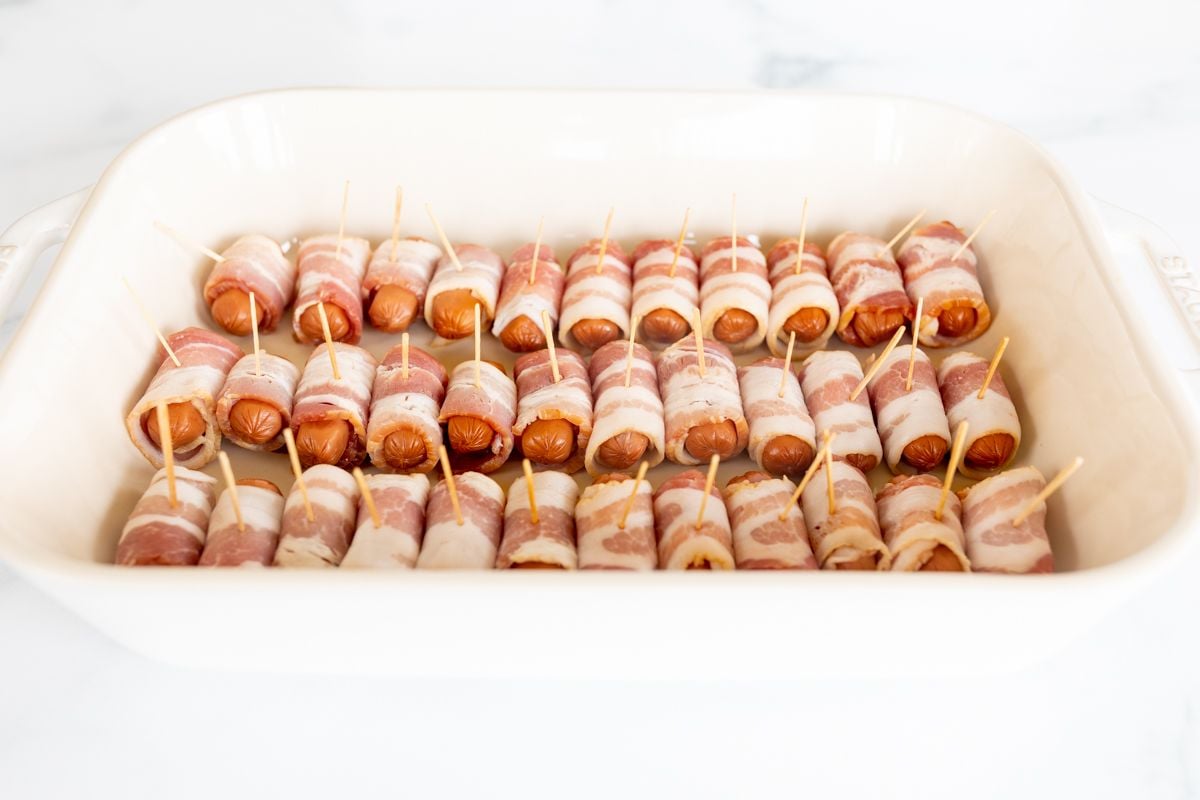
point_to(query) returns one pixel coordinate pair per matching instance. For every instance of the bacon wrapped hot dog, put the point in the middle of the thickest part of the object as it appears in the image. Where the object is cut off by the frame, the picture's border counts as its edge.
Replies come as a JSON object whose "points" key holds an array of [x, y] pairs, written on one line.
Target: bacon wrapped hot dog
{"points": [[554, 420], [802, 301], [869, 288], [849, 538], [954, 309], [324, 540], [993, 429], [403, 433], [548, 543], [262, 512], [628, 423], [253, 264], [734, 293], [603, 542], [827, 379], [681, 544], [915, 537], [397, 278], [479, 420], [994, 544], [255, 404], [911, 423], [158, 534], [400, 501], [595, 303], [453, 293], [703, 412], [330, 417], [782, 436], [664, 303], [518, 323], [473, 544], [761, 540], [330, 273]]}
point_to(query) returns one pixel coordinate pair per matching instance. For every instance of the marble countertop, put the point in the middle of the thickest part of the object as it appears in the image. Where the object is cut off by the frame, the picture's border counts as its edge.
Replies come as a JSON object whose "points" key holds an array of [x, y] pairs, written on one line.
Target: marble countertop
{"points": [[1113, 93]]}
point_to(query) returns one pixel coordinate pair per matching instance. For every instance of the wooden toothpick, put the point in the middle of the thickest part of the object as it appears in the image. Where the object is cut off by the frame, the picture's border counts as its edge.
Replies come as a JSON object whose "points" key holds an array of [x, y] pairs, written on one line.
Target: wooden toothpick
{"points": [[188, 243], [633, 326], [699, 345], [733, 226], [549, 331], [396, 220], [912, 354], [298, 473], [254, 335], [404, 355], [368, 499], [167, 446], [679, 242], [887, 248], [337, 374], [787, 363], [829, 475], [816, 464], [708, 484], [1050, 488], [637, 482], [478, 351], [877, 364], [533, 509], [450, 251], [991, 372], [800, 241], [537, 252], [604, 241], [448, 474], [962, 248], [956, 451], [145, 312], [231, 487]]}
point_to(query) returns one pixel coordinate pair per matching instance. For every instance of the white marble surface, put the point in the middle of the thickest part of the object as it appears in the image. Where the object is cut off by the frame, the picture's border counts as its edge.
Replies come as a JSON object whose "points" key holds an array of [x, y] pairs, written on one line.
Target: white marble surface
{"points": [[1112, 89]]}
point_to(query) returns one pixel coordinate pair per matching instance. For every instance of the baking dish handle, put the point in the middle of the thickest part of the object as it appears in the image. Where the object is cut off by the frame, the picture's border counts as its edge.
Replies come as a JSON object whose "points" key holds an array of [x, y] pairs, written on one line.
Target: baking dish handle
{"points": [[1169, 303], [28, 238]]}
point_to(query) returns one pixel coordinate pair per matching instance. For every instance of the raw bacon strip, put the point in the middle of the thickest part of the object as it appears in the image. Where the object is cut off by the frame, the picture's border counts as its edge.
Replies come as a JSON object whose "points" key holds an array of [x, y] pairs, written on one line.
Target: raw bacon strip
{"points": [[551, 540], [400, 501], [518, 298], [960, 375], [865, 282], [722, 289], [913, 533], [906, 416], [262, 512], [792, 293], [322, 397], [771, 416], [495, 403], [589, 295], [851, 535], [412, 405], [158, 535], [637, 409], [680, 544], [603, 545], [205, 359], [480, 275], [276, 387], [539, 397], [827, 379], [324, 541], [473, 544], [761, 540], [925, 258], [654, 288], [255, 264], [994, 544], [408, 265], [329, 277], [690, 400]]}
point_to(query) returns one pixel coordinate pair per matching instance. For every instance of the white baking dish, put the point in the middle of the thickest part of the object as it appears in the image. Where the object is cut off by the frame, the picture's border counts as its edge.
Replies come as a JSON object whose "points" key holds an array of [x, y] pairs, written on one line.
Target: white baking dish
{"points": [[1100, 364]]}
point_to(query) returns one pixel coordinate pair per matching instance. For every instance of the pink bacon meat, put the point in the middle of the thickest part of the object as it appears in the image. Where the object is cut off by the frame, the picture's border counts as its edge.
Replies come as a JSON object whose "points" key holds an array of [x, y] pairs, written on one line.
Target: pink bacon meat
{"points": [[637, 409], [603, 542], [994, 544], [323, 542], [947, 284], [262, 515], [592, 295], [205, 359], [849, 538], [480, 275], [494, 403], [400, 501], [681, 545], [540, 398], [256, 265], [322, 397], [473, 544], [275, 385], [549, 542], [331, 274], [408, 264], [914, 535], [723, 290], [772, 416], [157, 534], [909, 417], [519, 298], [408, 405], [827, 379], [655, 289], [761, 540], [794, 291], [867, 280], [690, 399]]}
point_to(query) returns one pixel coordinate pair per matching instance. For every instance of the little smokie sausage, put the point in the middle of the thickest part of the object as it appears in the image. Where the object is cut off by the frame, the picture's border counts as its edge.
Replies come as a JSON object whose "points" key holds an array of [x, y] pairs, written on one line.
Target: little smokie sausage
{"points": [[331, 414], [397, 278], [849, 538], [254, 263], [802, 299], [549, 542], [735, 294], [453, 293], [531, 287], [186, 423], [231, 310], [910, 418], [761, 540], [993, 429], [827, 379], [479, 420], [782, 434], [916, 535], [869, 289], [255, 404], [703, 411], [664, 301], [954, 306], [403, 434], [628, 419], [596, 299], [331, 270], [554, 418]]}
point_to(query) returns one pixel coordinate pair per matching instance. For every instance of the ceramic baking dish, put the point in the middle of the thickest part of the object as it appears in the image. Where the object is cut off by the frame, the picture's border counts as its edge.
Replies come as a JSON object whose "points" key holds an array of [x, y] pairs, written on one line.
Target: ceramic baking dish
{"points": [[1102, 362]]}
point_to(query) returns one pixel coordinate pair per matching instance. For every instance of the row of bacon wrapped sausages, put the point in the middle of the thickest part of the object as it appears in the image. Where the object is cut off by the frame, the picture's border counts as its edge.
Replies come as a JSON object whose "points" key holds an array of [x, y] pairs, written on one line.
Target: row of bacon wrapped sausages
{"points": [[622, 407], [857, 288], [614, 523]]}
